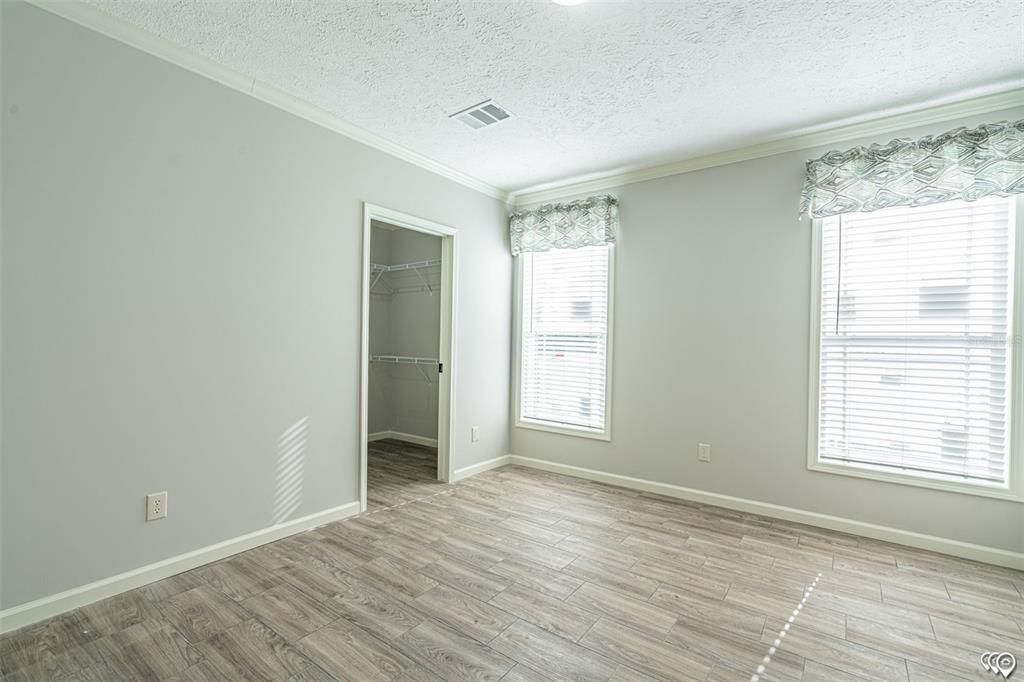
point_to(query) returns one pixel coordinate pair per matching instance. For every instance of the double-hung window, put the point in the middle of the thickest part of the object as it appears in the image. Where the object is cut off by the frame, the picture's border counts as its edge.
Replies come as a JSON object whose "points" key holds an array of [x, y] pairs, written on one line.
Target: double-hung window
{"points": [[913, 363], [563, 340]]}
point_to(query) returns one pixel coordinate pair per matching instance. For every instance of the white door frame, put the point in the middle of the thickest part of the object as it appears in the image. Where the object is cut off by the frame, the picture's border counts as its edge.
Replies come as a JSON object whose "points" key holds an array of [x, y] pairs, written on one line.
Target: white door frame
{"points": [[446, 379]]}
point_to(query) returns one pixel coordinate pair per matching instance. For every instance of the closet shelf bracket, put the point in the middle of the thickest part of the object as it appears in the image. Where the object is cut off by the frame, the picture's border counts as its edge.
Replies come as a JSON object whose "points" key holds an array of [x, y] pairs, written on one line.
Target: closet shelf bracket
{"points": [[430, 290]]}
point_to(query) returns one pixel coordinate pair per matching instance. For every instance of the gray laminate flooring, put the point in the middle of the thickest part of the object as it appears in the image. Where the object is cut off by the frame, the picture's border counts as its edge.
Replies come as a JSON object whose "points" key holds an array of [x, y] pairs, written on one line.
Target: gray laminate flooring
{"points": [[398, 472], [517, 574]]}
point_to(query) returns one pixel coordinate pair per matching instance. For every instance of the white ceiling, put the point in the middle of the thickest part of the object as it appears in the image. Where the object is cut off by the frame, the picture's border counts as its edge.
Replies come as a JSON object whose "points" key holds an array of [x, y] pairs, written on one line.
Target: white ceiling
{"points": [[603, 85]]}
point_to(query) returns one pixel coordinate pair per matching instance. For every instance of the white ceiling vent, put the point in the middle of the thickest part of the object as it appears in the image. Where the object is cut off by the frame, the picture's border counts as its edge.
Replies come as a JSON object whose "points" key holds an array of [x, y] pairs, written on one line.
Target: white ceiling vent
{"points": [[482, 115]]}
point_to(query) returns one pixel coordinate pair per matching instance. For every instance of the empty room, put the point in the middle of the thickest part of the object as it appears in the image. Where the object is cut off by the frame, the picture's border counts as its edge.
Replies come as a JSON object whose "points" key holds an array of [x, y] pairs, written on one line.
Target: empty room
{"points": [[519, 340]]}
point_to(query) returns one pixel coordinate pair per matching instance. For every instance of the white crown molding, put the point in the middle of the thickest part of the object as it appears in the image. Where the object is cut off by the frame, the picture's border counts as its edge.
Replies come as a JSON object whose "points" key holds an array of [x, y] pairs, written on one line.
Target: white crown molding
{"points": [[828, 134], [966, 550], [96, 20], [833, 133], [52, 605]]}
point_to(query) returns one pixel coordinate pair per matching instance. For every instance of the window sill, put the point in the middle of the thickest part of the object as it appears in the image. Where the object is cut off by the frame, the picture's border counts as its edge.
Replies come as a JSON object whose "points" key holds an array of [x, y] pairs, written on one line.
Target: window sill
{"points": [[564, 431], [919, 482]]}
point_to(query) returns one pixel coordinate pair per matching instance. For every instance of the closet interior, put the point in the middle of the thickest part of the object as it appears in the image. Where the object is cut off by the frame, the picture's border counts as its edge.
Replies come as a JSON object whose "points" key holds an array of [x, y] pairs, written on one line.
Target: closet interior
{"points": [[404, 326]]}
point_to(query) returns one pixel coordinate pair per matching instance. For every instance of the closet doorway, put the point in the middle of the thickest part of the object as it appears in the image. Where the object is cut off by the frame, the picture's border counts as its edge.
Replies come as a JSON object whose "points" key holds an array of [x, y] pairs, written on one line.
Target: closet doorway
{"points": [[407, 394]]}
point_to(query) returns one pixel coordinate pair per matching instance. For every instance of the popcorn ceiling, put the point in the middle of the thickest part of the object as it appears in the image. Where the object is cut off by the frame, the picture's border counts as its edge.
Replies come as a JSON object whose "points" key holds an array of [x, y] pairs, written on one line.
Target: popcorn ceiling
{"points": [[601, 85]]}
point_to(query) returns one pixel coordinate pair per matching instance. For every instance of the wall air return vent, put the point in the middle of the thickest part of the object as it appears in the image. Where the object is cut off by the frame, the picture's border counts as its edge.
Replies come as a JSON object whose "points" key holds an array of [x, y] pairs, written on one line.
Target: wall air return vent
{"points": [[482, 115]]}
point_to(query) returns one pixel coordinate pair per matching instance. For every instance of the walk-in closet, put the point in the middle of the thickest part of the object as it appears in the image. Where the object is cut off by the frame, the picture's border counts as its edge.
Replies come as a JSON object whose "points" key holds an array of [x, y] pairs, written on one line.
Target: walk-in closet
{"points": [[405, 318]]}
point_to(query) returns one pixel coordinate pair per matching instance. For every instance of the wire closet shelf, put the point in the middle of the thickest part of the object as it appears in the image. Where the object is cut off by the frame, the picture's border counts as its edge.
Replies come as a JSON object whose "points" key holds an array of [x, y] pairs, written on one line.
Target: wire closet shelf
{"points": [[379, 271], [410, 360], [403, 360], [418, 267]]}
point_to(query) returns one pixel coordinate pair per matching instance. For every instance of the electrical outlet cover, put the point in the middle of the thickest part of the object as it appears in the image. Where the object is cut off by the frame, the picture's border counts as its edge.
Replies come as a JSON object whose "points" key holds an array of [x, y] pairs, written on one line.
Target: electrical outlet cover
{"points": [[156, 506]]}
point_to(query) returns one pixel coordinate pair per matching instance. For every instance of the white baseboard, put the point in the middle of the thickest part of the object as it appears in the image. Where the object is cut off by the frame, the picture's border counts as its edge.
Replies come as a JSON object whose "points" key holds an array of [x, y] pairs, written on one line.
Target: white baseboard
{"points": [[474, 469], [405, 437], [47, 607], [989, 555]]}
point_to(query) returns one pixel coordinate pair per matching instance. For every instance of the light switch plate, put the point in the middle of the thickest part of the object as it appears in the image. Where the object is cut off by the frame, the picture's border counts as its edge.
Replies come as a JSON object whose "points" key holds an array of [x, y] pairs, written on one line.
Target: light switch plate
{"points": [[703, 452]]}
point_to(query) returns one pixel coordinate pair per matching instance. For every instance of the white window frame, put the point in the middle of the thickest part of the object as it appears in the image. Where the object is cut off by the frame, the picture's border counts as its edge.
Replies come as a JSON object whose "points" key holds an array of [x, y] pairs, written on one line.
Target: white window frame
{"points": [[517, 364], [1014, 490]]}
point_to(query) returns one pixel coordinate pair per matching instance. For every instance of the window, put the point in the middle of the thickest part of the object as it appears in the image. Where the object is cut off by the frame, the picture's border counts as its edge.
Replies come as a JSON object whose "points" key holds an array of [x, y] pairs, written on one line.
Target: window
{"points": [[563, 348], [914, 371]]}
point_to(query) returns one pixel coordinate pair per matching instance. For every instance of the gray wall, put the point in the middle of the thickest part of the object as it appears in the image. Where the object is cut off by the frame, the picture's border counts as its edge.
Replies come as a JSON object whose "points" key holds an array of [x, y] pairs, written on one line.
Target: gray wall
{"points": [[181, 285], [712, 306]]}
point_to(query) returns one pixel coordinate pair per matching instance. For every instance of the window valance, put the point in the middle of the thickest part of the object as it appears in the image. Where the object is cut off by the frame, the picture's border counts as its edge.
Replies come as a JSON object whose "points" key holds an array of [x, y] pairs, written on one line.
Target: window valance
{"points": [[585, 222], [959, 164]]}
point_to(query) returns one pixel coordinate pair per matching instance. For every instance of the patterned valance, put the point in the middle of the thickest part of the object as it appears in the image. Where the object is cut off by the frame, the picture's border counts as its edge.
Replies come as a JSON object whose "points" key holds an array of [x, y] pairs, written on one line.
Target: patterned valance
{"points": [[586, 222], [960, 164]]}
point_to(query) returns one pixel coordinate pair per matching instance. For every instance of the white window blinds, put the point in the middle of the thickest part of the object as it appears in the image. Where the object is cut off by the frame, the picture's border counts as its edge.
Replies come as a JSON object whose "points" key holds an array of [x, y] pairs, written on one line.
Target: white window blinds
{"points": [[564, 342], [915, 340]]}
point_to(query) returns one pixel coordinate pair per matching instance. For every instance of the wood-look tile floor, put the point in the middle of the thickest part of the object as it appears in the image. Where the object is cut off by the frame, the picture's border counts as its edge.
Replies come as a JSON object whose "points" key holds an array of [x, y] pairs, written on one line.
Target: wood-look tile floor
{"points": [[398, 472], [518, 575]]}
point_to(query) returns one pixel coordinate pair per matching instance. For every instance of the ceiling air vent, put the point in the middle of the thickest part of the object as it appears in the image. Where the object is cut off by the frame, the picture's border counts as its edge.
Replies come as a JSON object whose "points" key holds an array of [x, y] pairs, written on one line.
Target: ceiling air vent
{"points": [[481, 115]]}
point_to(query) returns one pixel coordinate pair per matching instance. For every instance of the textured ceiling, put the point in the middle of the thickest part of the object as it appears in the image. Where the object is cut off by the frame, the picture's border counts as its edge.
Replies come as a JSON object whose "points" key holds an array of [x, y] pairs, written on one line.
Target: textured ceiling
{"points": [[602, 85]]}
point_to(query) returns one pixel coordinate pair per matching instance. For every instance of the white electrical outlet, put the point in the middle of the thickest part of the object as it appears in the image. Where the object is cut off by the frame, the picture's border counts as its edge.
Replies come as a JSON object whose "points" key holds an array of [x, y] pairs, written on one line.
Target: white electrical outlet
{"points": [[703, 452], [156, 506], [474, 434]]}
